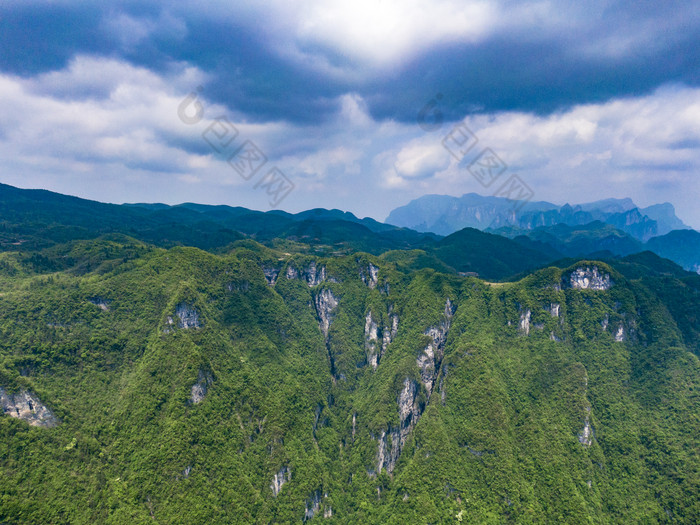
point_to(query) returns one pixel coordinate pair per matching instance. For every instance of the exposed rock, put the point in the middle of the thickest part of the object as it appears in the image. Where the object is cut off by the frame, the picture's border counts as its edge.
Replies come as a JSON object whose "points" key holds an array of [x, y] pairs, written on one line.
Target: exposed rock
{"points": [[325, 303], [389, 334], [409, 414], [186, 472], [200, 388], [271, 275], [586, 435], [312, 274], [99, 301], [373, 334], [620, 334], [590, 278], [554, 337], [282, 477], [292, 272], [431, 357], [524, 324], [188, 316], [554, 309], [604, 323], [313, 504], [26, 406], [371, 276], [442, 390], [371, 338]]}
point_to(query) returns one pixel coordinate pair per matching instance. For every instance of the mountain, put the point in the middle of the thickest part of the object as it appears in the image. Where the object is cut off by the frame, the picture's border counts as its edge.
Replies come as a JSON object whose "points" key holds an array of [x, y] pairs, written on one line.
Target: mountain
{"points": [[180, 386], [576, 241], [444, 215], [681, 246], [665, 217], [37, 219], [490, 256], [277, 379]]}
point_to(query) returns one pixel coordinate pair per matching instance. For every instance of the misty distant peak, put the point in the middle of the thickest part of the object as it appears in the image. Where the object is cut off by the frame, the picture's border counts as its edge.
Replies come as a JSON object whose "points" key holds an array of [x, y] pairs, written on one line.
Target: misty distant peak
{"points": [[443, 214]]}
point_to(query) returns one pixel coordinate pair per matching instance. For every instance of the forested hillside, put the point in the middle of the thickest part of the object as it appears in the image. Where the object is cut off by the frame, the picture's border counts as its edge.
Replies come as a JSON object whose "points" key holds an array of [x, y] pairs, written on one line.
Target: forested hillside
{"points": [[256, 385]]}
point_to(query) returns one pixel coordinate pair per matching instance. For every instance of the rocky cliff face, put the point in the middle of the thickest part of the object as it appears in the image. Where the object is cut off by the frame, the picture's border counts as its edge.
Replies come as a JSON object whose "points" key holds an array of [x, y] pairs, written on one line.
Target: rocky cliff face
{"points": [[409, 414], [524, 323], [393, 439], [312, 274], [370, 275], [270, 274], [374, 334], [26, 406], [201, 387], [371, 338], [325, 303], [589, 278], [283, 476], [431, 357], [100, 302]]}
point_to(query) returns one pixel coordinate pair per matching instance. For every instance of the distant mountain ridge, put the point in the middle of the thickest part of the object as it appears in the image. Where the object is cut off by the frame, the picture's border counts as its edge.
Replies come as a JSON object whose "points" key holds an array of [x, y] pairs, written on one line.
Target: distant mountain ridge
{"points": [[35, 220], [443, 215]]}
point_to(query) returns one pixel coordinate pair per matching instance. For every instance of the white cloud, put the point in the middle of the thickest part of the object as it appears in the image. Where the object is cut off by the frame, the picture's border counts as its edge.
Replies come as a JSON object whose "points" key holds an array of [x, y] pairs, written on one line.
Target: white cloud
{"points": [[123, 140], [421, 158]]}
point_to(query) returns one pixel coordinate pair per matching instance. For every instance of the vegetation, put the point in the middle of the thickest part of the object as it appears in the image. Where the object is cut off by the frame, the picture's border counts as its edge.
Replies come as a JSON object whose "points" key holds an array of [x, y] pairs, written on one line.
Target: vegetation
{"points": [[112, 333]]}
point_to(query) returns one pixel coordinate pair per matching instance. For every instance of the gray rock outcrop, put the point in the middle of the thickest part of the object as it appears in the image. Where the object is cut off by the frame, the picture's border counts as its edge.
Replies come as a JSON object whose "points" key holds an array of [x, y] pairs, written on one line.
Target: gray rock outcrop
{"points": [[283, 476], [26, 406], [524, 324], [590, 278], [431, 357], [201, 387], [370, 275]]}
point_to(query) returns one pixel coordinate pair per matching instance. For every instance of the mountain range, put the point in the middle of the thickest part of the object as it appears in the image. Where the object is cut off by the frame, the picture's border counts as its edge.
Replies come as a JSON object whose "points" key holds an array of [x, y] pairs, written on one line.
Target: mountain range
{"points": [[443, 214], [209, 364], [616, 226]]}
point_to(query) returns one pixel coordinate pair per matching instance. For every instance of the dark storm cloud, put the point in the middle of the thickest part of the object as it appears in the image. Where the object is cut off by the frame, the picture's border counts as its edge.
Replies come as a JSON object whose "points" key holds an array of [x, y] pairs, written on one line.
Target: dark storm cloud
{"points": [[608, 50]]}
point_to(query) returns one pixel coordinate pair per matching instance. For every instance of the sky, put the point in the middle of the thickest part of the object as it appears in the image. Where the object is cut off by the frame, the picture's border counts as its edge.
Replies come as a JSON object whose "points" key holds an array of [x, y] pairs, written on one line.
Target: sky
{"points": [[361, 106]]}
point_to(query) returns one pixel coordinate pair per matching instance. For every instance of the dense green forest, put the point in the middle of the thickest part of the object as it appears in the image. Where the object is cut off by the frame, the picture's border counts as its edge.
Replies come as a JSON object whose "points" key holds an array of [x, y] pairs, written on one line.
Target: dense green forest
{"points": [[281, 381]]}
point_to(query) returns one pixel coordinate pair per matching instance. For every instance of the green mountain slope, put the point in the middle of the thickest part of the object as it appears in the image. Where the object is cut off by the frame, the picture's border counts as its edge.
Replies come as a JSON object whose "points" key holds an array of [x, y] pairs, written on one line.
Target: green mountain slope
{"points": [[32, 220], [491, 256], [681, 246], [258, 386]]}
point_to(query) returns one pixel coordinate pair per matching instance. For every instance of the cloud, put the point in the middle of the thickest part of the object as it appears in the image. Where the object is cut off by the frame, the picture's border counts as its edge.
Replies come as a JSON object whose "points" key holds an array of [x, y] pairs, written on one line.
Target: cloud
{"points": [[420, 158], [593, 99], [626, 147], [293, 61]]}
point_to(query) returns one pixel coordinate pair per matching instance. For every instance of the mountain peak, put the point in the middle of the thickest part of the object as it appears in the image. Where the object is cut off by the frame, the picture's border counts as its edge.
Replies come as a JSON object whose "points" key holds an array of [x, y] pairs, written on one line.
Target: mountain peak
{"points": [[443, 214]]}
